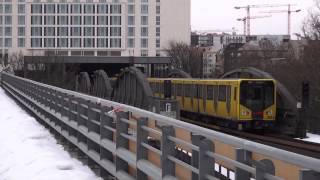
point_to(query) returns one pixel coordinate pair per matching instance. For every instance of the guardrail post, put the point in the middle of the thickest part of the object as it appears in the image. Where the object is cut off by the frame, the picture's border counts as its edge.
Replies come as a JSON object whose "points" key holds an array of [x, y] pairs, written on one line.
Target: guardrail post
{"points": [[306, 174], [206, 163], [121, 142], [262, 167], [142, 153], [196, 139], [244, 157], [167, 148], [106, 121]]}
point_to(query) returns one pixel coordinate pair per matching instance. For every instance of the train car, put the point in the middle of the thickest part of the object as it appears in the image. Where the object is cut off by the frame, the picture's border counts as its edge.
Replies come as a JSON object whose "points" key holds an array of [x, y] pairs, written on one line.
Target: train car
{"points": [[239, 103]]}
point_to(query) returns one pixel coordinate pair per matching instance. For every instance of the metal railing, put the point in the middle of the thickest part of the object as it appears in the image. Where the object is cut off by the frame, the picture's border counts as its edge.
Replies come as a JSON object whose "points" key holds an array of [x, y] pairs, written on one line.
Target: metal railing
{"points": [[130, 143]]}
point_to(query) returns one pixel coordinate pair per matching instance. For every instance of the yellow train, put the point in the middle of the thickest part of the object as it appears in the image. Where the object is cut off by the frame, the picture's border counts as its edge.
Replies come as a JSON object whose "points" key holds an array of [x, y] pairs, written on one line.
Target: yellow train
{"points": [[237, 103]]}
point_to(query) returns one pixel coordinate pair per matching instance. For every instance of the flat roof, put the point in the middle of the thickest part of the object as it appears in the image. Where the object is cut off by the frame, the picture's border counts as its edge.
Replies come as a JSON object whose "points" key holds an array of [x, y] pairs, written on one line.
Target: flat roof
{"points": [[97, 59]]}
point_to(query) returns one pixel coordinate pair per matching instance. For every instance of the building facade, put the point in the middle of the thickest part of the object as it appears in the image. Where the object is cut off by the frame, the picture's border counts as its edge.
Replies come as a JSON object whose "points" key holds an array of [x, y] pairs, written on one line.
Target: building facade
{"points": [[92, 27]]}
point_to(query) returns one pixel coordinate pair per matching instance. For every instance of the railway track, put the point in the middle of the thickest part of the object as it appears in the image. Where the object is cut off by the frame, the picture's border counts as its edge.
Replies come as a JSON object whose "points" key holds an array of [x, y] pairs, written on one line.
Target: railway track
{"points": [[286, 143]]}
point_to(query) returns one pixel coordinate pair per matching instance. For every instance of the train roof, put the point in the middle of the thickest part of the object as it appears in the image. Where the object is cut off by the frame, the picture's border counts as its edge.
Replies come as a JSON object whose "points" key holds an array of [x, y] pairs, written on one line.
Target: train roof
{"points": [[206, 80]]}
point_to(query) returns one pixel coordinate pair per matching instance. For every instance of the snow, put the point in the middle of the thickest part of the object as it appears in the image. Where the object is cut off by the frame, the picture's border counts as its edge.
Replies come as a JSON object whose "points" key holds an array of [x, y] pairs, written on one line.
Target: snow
{"points": [[29, 151], [312, 138]]}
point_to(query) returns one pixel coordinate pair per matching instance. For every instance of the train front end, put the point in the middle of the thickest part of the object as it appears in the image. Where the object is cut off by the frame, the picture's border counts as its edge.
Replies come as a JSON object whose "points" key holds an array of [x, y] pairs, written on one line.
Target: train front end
{"points": [[257, 105]]}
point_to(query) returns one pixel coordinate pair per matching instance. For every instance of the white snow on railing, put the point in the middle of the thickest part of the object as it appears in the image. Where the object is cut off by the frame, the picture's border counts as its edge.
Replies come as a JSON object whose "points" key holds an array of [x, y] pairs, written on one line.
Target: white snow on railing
{"points": [[29, 151]]}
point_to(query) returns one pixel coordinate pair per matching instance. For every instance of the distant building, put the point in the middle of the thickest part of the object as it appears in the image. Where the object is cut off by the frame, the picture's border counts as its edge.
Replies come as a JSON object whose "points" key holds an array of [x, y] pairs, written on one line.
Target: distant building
{"points": [[92, 27], [276, 40]]}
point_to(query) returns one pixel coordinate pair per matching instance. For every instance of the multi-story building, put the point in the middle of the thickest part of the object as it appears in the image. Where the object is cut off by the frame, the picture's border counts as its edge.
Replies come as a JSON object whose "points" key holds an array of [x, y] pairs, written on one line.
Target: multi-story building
{"points": [[92, 27]]}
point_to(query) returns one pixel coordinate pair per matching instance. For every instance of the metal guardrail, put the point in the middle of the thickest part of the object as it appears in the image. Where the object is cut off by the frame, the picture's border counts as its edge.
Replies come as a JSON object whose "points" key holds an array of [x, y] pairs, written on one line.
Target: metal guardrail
{"points": [[118, 138]]}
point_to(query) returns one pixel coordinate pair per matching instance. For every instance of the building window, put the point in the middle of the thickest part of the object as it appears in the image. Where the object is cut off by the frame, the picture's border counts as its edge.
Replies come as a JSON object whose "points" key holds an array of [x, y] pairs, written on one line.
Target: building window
{"points": [[21, 42], [102, 42], [158, 10], [35, 42], [115, 20], [131, 31], [49, 42], [131, 20], [63, 20], [36, 20], [49, 20], [115, 31], [1, 9], [8, 31], [8, 20], [62, 31], [36, 31], [102, 9], [144, 43], [76, 20], [49, 31], [88, 31], [144, 20], [102, 20], [158, 53], [131, 43], [21, 31], [88, 42], [158, 20], [76, 8], [158, 31], [21, 9], [144, 53], [21, 20], [115, 43], [144, 31], [102, 31], [131, 9], [8, 42], [62, 42], [115, 9], [63, 8], [75, 42], [144, 9], [89, 8], [158, 43], [36, 8], [8, 8], [88, 20], [49, 8], [75, 31]]}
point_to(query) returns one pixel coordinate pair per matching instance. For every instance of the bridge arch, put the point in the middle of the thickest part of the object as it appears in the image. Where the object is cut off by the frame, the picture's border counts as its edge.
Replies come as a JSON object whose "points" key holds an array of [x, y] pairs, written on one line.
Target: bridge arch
{"points": [[132, 87]]}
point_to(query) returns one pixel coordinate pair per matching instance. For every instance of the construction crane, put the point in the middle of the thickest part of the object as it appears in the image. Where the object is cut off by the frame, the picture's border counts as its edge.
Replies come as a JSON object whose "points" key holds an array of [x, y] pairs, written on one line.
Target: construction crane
{"points": [[248, 7], [289, 11], [244, 20]]}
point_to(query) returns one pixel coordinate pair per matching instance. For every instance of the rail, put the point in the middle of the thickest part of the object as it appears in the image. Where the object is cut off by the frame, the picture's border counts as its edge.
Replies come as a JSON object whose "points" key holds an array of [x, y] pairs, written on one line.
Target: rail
{"points": [[130, 143]]}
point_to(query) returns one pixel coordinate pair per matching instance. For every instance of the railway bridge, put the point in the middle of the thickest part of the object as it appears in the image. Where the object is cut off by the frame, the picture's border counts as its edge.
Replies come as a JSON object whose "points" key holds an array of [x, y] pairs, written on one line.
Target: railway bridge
{"points": [[128, 140]]}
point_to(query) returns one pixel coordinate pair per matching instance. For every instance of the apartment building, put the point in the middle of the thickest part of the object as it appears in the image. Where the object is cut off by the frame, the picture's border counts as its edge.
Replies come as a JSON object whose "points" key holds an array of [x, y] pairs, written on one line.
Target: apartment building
{"points": [[92, 27]]}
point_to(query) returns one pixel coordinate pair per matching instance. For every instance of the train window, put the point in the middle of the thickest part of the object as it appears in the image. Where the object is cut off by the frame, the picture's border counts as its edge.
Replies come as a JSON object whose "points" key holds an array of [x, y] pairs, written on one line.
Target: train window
{"points": [[222, 93], [199, 91], [210, 92], [228, 97], [235, 93], [179, 89], [216, 89]]}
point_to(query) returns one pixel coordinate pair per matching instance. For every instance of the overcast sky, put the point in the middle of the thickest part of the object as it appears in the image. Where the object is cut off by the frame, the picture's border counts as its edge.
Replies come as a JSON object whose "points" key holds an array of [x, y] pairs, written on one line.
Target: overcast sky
{"points": [[220, 14]]}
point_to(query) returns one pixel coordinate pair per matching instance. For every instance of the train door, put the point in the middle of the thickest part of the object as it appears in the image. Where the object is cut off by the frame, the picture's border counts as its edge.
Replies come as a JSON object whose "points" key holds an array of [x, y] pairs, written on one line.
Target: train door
{"points": [[167, 89], [196, 98], [228, 104], [204, 93]]}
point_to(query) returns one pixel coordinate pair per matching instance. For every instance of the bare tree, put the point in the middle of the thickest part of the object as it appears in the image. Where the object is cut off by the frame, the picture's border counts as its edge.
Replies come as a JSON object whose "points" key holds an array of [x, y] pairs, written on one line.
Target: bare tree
{"points": [[186, 58]]}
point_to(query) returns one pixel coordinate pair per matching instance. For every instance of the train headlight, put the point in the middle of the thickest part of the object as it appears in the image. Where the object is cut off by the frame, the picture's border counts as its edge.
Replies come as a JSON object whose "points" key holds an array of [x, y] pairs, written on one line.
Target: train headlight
{"points": [[245, 113], [269, 113]]}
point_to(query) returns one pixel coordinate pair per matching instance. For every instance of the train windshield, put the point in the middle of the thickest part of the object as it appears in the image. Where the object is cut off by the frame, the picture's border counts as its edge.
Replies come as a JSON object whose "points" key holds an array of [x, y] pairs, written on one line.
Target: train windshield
{"points": [[257, 95]]}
